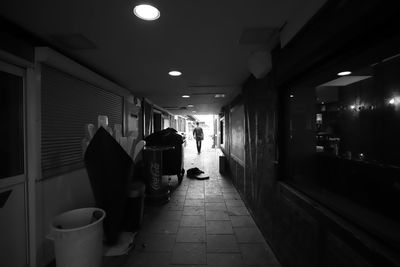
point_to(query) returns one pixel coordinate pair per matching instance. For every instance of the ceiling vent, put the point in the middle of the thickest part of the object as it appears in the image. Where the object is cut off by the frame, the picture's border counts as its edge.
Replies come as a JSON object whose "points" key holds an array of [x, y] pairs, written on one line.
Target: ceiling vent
{"points": [[74, 41]]}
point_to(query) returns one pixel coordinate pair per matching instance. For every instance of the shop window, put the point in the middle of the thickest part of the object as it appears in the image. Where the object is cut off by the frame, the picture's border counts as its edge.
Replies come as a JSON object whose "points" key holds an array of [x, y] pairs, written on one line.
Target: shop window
{"points": [[342, 145]]}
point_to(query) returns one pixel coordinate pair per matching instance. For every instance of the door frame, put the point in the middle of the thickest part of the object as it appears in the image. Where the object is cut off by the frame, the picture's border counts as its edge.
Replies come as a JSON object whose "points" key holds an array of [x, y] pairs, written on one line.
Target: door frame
{"points": [[21, 179]]}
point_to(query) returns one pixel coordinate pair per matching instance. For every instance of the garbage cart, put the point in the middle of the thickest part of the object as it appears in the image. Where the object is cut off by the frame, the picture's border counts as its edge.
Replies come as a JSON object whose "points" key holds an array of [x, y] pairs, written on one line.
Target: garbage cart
{"points": [[172, 158]]}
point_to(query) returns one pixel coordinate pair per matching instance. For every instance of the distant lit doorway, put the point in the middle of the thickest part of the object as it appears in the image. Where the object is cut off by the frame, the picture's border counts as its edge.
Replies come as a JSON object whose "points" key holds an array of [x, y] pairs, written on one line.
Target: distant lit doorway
{"points": [[209, 124], [157, 118]]}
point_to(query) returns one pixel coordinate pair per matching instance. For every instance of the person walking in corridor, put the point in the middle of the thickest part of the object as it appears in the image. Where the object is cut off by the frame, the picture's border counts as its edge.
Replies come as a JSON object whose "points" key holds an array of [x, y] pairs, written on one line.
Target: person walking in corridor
{"points": [[199, 136]]}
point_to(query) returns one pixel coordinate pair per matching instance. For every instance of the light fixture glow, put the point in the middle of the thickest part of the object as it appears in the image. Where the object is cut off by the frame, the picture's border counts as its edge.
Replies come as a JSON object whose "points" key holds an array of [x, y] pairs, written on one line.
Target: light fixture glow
{"points": [[344, 73], [175, 73], [291, 96], [190, 106], [353, 107], [219, 95], [186, 96], [394, 101], [146, 12]]}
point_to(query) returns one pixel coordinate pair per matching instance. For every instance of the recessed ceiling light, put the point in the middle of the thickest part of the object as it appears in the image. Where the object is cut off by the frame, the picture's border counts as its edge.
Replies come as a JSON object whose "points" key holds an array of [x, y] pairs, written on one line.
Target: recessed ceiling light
{"points": [[394, 100], [291, 96], [186, 96], [344, 73], [175, 73], [190, 106], [146, 12], [219, 95]]}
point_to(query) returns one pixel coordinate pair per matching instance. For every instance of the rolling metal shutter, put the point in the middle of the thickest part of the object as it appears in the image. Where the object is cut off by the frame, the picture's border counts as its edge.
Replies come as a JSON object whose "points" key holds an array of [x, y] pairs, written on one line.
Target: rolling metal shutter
{"points": [[67, 105]]}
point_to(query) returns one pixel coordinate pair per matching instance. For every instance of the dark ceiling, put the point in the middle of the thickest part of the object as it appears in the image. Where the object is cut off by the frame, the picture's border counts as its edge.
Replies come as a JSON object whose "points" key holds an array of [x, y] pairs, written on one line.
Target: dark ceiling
{"points": [[199, 38]]}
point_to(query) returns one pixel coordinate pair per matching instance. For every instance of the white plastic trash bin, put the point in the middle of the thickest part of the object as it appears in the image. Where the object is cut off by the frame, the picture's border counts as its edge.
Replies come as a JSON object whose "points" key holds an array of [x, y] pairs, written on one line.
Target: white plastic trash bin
{"points": [[78, 237]]}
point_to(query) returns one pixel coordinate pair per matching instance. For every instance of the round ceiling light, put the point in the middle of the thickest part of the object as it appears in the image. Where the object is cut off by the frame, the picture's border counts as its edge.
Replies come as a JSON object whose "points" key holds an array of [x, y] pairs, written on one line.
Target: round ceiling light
{"points": [[146, 12], [186, 96], [344, 73], [175, 73]]}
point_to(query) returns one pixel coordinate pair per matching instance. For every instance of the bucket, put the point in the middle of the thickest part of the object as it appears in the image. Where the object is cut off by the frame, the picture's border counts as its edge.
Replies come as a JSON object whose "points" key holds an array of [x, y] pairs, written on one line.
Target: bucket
{"points": [[78, 237]]}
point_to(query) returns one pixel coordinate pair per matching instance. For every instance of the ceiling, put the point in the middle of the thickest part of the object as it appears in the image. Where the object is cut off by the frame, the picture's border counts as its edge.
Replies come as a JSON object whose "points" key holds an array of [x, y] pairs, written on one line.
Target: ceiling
{"points": [[199, 38]]}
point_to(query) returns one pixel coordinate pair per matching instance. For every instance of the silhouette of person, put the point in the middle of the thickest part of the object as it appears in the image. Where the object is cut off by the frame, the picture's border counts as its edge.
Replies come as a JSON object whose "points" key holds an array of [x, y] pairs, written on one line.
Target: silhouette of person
{"points": [[199, 136]]}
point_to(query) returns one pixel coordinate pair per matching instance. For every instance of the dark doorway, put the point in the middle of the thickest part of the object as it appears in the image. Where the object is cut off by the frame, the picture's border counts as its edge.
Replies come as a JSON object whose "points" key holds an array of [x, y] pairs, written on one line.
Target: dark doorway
{"points": [[157, 121]]}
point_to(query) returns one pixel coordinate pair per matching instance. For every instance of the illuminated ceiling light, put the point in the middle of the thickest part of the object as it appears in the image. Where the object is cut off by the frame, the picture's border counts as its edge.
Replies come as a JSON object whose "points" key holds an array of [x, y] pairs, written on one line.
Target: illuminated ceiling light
{"points": [[344, 73], [146, 12], [353, 107], [175, 73], [394, 101], [186, 96], [291, 96], [190, 106], [219, 95]]}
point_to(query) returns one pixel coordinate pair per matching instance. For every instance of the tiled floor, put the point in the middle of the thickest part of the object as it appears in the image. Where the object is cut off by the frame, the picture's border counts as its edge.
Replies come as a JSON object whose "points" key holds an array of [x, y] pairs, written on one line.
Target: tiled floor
{"points": [[205, 224]]}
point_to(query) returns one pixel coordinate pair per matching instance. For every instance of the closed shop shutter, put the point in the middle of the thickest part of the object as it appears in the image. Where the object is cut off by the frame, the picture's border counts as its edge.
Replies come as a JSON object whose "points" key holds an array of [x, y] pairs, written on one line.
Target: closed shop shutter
{"points": [[67, 105]]}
